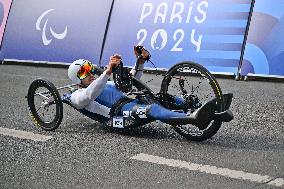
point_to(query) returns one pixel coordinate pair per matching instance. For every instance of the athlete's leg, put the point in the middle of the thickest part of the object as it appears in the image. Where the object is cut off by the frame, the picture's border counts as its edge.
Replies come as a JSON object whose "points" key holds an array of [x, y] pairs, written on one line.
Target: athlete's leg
{"points": [[160, 113], [154, 111]]}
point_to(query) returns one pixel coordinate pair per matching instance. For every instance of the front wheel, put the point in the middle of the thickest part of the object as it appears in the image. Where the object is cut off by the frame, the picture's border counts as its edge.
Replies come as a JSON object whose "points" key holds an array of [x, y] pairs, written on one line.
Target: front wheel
{"points": [[185, 88], [45, 104]]}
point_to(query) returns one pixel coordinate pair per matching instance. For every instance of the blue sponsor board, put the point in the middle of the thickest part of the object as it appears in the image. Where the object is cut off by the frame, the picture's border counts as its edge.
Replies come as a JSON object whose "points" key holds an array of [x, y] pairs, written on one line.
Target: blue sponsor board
{"points": [[264, 52], [56, 31], [208, 32]]}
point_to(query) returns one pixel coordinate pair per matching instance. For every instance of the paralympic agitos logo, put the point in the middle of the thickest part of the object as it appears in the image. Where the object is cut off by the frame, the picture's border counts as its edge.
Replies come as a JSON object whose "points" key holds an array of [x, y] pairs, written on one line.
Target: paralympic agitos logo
{"points": [[44, 30], [178, 13]]}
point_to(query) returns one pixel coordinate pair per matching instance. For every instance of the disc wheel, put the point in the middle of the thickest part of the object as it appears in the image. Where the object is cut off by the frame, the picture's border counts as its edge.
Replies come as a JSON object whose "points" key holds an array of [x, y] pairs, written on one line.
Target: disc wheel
{"points": [[45, 104], [194, 85]]}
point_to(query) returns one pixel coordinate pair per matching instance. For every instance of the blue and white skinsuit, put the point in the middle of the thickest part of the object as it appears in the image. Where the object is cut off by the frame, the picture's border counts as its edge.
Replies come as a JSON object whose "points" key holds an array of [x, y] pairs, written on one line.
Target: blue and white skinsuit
{"points": [[99, 97]]}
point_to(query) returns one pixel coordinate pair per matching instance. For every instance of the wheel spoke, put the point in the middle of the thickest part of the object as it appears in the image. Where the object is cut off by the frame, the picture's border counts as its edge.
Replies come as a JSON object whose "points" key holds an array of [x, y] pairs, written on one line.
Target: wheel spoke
{"points": [[197, 87], [43, 113], [39, 108], [206, 97]]}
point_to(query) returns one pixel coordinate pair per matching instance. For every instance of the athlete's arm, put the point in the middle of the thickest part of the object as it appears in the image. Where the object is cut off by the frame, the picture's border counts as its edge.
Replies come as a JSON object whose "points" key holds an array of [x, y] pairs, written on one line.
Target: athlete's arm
{"points": [[83, 97], [137, 73]]}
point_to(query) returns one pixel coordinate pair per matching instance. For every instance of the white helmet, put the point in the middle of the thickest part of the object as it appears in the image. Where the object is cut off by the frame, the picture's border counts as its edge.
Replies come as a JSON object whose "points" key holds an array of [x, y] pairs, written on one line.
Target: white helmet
{"points": [[74, 69]]}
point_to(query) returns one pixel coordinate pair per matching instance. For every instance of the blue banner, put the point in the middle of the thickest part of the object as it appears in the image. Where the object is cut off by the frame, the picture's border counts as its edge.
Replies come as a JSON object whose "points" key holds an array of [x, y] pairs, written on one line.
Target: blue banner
{"points": [[264, 52], [56, 31], [208, 32]]}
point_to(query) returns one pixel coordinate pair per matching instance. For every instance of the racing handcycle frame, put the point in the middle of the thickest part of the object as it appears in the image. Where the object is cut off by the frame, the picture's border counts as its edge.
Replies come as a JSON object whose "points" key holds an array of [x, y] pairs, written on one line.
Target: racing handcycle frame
{"points": [[205, 115]]}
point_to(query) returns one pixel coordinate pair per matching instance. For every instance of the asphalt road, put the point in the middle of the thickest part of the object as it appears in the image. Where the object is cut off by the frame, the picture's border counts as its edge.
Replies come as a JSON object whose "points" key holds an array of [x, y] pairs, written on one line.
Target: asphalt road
{"points": [[84, 154]]}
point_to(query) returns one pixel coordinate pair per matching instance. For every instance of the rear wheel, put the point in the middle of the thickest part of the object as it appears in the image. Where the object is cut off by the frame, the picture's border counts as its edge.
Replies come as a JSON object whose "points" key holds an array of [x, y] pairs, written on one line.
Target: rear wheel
{"points": [[185, 88], [45, 104]]}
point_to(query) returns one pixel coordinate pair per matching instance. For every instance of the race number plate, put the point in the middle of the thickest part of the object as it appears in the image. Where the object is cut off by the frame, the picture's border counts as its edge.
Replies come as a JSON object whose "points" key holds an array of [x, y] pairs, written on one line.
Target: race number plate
{"points": [[118, 122], [142, 112]]}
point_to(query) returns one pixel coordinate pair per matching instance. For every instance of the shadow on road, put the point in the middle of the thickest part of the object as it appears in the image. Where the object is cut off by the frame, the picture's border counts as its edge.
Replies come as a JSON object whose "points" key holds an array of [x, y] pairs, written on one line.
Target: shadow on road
{"points": [[157, 130]]}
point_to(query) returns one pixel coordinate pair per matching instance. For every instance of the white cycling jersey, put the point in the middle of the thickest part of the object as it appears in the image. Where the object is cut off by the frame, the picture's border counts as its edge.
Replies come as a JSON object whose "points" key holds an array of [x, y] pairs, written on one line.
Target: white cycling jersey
{"points": [[101, 94]]}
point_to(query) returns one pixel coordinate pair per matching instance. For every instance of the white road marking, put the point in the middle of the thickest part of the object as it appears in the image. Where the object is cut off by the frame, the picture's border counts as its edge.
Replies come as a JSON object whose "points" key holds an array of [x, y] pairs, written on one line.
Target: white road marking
{"points": [[264, 179], [24, 134]]}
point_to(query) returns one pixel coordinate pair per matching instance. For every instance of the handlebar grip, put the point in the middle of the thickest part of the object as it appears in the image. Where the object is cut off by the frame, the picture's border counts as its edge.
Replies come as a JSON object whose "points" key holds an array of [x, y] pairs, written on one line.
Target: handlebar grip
{"points": [[139, 50], [114, 69], [117, 67]]}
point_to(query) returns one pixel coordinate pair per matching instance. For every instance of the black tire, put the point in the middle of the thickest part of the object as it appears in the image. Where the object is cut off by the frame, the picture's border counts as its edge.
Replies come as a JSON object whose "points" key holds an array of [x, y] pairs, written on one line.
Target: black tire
{"points": [[197, 83], [39, 105]]}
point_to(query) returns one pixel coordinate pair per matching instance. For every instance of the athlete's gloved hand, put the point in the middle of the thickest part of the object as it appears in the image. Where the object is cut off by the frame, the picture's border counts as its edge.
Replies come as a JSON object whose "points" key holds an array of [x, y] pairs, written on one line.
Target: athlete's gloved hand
{"points": [[141, 53], [114, 61]]}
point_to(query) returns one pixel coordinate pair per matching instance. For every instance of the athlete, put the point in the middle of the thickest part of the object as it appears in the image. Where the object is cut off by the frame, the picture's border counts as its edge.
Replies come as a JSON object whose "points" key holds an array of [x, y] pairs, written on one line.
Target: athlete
{"points": [[97, 96]]}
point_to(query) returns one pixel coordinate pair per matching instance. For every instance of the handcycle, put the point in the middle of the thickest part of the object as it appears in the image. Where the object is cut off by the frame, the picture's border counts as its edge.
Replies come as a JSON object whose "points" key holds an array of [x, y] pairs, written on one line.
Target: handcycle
{"points": [[186, 87]]}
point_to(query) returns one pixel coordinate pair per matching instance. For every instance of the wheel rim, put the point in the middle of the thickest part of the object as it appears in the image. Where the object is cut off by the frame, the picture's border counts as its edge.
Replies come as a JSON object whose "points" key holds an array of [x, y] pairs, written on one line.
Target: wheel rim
{"points": [[45, 104], [193, 83], [45, 107]]}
